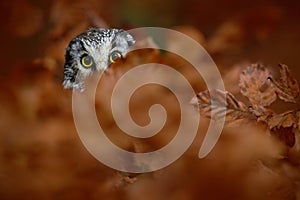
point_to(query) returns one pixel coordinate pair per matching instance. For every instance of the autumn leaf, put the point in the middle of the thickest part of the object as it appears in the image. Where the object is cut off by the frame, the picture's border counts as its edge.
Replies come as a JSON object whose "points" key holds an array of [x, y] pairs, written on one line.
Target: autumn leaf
{"points": [[298, 120], [287, 87], [282, 126], [216, 104], [256, 86], [286, 119], [261, 113]]}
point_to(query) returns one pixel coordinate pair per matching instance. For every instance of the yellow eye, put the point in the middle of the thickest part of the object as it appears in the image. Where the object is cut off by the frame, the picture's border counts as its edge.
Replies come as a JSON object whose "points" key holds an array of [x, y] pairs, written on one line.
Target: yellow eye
{"points": [[87, 61], [114, 56]]}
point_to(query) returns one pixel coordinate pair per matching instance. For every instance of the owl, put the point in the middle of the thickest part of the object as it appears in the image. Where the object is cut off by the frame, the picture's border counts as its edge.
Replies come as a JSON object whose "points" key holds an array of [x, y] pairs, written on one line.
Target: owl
{"points": [[93, 50]]}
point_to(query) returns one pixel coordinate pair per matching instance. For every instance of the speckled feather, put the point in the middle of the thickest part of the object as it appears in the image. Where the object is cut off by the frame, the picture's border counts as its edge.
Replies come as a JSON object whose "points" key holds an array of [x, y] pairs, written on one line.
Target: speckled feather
{"points": [[97, 43]]}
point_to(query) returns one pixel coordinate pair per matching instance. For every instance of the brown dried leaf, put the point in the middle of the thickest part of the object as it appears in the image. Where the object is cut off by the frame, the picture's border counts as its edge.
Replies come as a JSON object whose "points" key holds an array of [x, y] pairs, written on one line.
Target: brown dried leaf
{"points": [[285, 135], [262, 114], [217, 104], [298, 120], [256, 86], [287, 87], [284, 120]]}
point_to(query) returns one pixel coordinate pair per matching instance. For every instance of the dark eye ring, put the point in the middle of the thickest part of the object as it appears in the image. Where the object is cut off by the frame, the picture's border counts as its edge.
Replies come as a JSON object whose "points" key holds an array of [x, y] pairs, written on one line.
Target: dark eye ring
{"points": [[87, 61], [114, 56]]}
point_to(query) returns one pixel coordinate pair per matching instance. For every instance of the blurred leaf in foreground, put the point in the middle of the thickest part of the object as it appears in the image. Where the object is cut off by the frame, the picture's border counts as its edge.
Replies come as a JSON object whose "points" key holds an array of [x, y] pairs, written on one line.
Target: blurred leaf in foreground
{"points": [[285, 135]]}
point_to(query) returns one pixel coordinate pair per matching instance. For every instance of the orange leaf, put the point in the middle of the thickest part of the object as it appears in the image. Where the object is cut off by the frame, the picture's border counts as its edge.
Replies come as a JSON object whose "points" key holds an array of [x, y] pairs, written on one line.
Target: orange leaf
{"points": [[287, 119], [256, 86], [298, 120], [262, 114], [287, 87], [217, 104]]}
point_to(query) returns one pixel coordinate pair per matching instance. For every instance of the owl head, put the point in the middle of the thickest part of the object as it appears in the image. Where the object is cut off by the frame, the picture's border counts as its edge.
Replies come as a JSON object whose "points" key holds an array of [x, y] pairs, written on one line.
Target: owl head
{"points": [[93, 50]]}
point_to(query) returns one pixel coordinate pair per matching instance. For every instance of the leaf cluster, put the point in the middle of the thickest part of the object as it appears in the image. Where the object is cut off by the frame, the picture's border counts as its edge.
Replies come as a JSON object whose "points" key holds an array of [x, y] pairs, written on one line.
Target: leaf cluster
{"points": [[261, 89]]}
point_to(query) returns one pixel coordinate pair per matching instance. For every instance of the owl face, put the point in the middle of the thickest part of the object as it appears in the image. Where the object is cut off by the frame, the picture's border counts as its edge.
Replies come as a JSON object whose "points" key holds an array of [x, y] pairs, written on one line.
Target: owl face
{"points": [[93, 50]]}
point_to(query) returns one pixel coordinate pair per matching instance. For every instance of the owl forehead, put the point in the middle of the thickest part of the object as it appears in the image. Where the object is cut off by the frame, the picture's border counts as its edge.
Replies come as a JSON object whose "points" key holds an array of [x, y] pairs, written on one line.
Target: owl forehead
{"points": [[97, 37]]}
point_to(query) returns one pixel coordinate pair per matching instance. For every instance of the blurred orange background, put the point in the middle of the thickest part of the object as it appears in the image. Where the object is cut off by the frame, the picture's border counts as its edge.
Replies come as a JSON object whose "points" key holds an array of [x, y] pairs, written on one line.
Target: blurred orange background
{"points": [[41, 155]]}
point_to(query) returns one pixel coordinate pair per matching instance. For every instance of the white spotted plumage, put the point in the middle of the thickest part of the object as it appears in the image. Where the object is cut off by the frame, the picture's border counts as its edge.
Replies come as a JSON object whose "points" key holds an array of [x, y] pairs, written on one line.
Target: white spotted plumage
{"points": [[98, 44]]}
